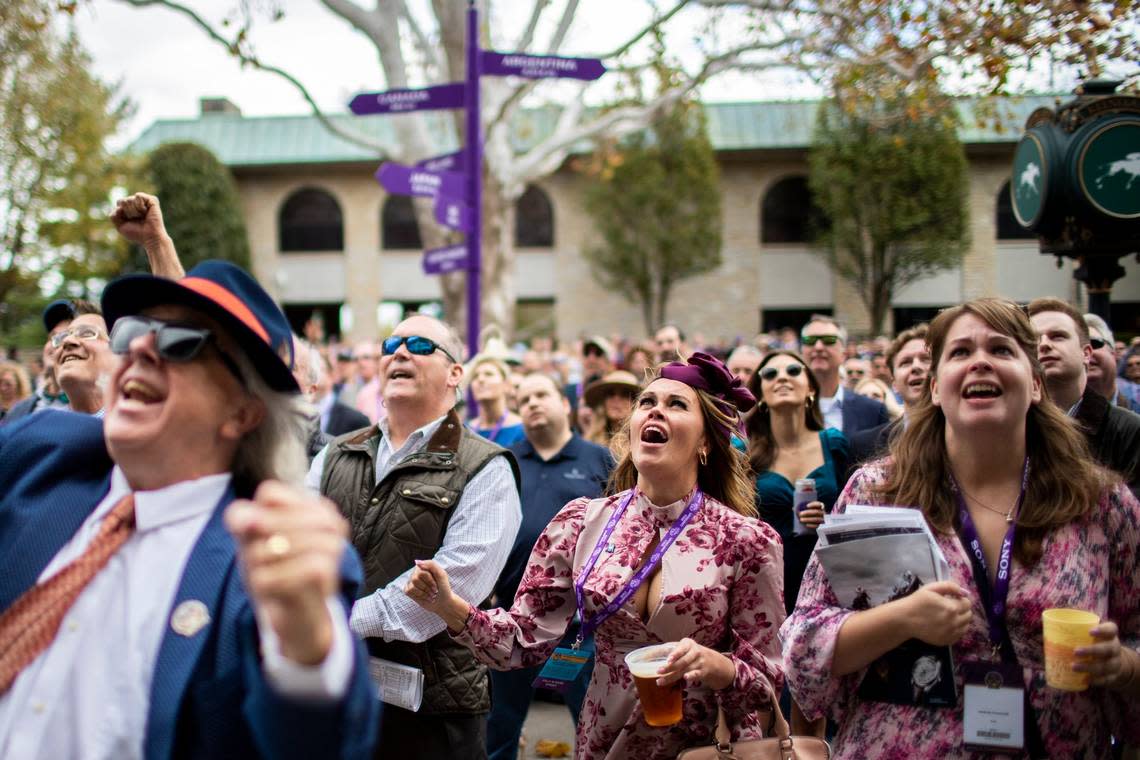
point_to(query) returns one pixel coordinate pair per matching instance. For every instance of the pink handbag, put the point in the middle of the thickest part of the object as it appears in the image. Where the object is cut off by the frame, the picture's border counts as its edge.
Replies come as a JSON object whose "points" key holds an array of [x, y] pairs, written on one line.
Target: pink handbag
{"points": [[779, 745]]}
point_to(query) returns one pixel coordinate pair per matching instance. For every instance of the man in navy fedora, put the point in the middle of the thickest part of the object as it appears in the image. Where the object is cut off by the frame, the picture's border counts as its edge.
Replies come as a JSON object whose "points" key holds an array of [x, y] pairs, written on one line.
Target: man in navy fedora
{"points": [[168, 590]]}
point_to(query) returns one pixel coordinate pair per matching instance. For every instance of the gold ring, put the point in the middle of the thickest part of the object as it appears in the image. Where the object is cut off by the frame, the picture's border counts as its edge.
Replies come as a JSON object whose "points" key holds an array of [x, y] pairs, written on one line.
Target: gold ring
{"points": [[277, 545]]}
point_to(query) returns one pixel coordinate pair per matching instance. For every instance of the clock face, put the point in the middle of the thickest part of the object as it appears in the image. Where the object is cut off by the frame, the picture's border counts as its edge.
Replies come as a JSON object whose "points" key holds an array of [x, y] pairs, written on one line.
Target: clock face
{"points": [[1029, 180], [1108, 169]]}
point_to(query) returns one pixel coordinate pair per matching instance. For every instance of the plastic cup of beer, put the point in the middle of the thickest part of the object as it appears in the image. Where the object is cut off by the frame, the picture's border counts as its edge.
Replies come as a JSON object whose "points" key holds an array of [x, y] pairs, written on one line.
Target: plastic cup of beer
{"points": [[661, 704], [1065, 630]]}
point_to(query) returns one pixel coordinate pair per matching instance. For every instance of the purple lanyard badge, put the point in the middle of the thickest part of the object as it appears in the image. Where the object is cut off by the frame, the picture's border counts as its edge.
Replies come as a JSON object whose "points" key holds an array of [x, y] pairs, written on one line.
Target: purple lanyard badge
{"points": [[590, 625], [994, 602]]}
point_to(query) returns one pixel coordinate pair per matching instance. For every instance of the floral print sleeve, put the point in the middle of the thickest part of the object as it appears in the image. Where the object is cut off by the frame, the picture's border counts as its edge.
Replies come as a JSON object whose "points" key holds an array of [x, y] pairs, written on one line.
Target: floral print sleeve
{"points": [[527, 633], [755, 613], [810, 632], [1123, 513]]}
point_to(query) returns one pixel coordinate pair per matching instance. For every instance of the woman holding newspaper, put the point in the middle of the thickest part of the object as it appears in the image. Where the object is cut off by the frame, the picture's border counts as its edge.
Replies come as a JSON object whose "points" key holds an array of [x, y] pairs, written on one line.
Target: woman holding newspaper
{"points": [[1025, 522], [672, 556]]}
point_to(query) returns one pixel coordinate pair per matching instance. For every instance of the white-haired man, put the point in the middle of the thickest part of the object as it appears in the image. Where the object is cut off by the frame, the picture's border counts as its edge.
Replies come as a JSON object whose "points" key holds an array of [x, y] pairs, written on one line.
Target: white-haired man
{"points": [[149, 608]]}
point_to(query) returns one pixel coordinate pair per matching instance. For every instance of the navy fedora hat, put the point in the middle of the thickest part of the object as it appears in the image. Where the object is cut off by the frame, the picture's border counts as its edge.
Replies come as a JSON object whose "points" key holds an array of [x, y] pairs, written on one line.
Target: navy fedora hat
{"points": [[230, 296]]}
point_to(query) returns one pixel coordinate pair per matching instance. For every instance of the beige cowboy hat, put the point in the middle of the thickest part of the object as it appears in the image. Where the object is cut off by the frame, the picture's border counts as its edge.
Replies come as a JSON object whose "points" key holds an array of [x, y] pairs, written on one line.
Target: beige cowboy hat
{"points": [[618, 380]]}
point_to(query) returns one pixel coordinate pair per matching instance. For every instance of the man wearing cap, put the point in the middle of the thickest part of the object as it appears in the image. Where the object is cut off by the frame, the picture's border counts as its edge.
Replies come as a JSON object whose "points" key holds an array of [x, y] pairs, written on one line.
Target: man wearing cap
{"points": [[597, 360], [57, 318], [422, 485], [557, 467], [147, 608]]}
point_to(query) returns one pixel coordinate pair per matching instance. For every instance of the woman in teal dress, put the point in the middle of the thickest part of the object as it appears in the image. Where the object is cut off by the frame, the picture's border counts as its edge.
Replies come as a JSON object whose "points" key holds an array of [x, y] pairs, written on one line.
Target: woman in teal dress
{"points": [[787, 441]]}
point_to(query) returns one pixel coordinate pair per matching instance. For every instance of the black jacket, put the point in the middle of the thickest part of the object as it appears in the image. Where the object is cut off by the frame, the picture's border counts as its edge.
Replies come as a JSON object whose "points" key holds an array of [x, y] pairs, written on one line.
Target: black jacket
{"points": [[344, 419], [1113, 434]]}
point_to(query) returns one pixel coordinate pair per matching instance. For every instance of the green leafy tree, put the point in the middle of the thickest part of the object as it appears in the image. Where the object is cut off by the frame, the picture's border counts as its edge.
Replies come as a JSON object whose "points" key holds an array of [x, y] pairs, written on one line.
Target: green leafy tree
{"points": [[889, 174], [56, 172], [656, 204], [200, 206]]}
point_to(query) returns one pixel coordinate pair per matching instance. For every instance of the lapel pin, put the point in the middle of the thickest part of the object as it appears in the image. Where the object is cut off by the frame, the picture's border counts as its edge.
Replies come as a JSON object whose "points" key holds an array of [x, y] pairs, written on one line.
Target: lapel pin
{"points": [[189, 617]]}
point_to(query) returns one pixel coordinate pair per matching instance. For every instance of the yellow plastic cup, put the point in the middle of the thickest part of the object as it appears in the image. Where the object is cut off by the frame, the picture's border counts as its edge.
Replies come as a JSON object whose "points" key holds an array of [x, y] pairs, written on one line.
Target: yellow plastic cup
{"points": [[1065, 630]]}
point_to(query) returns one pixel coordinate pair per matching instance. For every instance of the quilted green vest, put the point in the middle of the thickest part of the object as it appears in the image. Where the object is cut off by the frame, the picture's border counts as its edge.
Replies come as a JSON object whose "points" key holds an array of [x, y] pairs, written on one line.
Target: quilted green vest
{"points": [[403, 518]]}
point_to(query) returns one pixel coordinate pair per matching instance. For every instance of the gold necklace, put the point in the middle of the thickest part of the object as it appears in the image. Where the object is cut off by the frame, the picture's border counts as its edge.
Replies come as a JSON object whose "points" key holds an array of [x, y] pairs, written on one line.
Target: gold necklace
{"points": [[1008, 515]]}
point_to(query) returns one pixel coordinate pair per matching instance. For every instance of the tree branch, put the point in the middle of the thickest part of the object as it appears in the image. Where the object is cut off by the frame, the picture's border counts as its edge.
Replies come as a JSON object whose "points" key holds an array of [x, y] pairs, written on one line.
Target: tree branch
{"points": [[247, 58], [527, 38], [655, 23], [559, 35], [426, 48]]}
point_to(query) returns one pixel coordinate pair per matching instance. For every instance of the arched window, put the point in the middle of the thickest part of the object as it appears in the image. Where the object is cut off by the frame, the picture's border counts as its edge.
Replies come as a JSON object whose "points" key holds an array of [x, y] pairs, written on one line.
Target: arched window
{"points": [[1006, 223], [534, 219], [787, 213], [310, 220], [398, 228]]}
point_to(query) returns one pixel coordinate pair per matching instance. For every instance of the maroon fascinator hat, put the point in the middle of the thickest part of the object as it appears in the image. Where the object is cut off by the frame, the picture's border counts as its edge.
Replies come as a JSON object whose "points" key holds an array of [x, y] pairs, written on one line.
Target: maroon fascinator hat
{"points": [[709, 374]]}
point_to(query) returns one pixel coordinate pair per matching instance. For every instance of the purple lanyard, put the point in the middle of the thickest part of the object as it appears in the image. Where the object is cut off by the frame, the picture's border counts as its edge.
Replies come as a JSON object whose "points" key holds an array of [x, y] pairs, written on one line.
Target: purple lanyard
{"points": [[497, 429], [615, 604], [494, 431], [994, 602]]}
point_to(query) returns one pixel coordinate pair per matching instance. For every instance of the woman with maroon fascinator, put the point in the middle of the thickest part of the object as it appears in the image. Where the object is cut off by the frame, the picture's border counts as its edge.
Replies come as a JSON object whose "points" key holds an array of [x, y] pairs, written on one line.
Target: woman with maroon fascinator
{"points": [[674, 554]]}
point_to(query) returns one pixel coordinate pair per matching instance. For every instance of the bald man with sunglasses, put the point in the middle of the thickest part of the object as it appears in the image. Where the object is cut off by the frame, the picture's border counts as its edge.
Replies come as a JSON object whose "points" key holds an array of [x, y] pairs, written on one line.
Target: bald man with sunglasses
{"points": [[420, 485]]}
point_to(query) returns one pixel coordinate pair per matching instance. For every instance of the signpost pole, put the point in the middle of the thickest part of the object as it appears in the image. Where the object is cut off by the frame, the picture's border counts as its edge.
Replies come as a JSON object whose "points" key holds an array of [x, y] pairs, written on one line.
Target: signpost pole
{"points": [[474, 170]]}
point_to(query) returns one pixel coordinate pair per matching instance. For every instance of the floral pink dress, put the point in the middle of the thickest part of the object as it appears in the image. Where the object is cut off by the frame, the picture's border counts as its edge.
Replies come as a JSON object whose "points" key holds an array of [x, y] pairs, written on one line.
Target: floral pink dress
{"points": [[721, 586], [1090, 564]]}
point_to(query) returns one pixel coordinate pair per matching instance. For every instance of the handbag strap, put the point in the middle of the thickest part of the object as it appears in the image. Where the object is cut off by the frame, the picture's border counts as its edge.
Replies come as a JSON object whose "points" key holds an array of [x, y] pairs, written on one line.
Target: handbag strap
{"points": [[777, 726]]}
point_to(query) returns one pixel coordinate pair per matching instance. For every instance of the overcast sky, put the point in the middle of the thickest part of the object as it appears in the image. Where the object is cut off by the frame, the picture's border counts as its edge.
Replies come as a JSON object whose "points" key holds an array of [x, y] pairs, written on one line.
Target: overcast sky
{"points": [[165, 63]]}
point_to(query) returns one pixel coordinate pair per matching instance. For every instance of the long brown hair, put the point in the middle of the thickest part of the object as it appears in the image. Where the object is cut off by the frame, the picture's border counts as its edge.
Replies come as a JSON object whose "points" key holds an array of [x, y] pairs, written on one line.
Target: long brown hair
{"points": [[1065, 484], [762, 448], [725, 475]]}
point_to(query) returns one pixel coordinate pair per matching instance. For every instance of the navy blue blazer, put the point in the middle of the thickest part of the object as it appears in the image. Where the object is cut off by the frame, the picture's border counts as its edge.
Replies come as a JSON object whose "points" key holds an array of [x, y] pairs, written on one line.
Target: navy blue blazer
{"points": [[209, 697], [861, 412]]}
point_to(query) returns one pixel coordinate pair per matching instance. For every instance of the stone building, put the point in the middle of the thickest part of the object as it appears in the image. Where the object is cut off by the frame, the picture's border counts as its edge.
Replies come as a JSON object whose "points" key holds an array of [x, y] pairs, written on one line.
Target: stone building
{"points": [[326, 239]]}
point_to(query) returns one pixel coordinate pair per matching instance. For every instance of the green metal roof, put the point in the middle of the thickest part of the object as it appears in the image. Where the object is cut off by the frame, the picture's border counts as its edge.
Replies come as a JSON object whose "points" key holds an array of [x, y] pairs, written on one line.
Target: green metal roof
{"points": [[273, 140]]}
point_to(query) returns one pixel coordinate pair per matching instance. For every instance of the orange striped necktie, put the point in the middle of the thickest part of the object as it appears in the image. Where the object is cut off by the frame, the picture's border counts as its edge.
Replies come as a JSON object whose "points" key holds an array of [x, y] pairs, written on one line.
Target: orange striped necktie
{"points": [[30, 624]]}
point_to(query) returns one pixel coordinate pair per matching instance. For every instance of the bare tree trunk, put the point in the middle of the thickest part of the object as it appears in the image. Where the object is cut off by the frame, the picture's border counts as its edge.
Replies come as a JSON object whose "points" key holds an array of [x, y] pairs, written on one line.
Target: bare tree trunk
{"points": [[498, 284]]}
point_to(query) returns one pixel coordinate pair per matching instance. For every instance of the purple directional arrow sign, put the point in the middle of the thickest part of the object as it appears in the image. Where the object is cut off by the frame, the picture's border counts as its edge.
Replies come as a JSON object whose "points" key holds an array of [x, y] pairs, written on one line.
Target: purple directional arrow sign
{"points": [[454, 213], [398, 101], [446, 162], [541, 66], [410, 180], [443, 260]]}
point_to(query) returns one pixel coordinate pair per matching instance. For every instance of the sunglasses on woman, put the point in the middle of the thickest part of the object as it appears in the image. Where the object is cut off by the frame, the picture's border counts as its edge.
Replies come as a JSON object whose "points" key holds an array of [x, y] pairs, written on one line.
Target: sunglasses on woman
{"points": [[417, 344], [1097, 343], [174, 342], [768, 374]]}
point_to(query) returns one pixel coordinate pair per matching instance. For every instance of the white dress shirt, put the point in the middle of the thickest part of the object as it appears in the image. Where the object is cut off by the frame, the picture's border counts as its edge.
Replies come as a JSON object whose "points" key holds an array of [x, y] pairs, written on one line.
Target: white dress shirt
{"points": [[87, 696], [475, 548], [832, 410]]}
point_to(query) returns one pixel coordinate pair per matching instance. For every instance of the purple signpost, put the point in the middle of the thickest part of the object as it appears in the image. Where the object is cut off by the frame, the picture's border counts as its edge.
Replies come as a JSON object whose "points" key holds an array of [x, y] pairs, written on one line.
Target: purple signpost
{"points": [[455, 180], [474, 168]]}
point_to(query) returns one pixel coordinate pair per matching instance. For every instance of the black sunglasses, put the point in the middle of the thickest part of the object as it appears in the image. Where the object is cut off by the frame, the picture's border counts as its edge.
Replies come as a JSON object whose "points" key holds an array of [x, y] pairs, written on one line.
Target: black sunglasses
{"points": [[417, 344], [1097, 343], [768, 374], [174, 342], [811, 340]]}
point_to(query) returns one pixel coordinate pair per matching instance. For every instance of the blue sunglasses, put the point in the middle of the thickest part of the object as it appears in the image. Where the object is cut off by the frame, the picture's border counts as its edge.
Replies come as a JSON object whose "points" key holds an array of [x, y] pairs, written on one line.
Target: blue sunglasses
{"points": [[417, 344]]}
